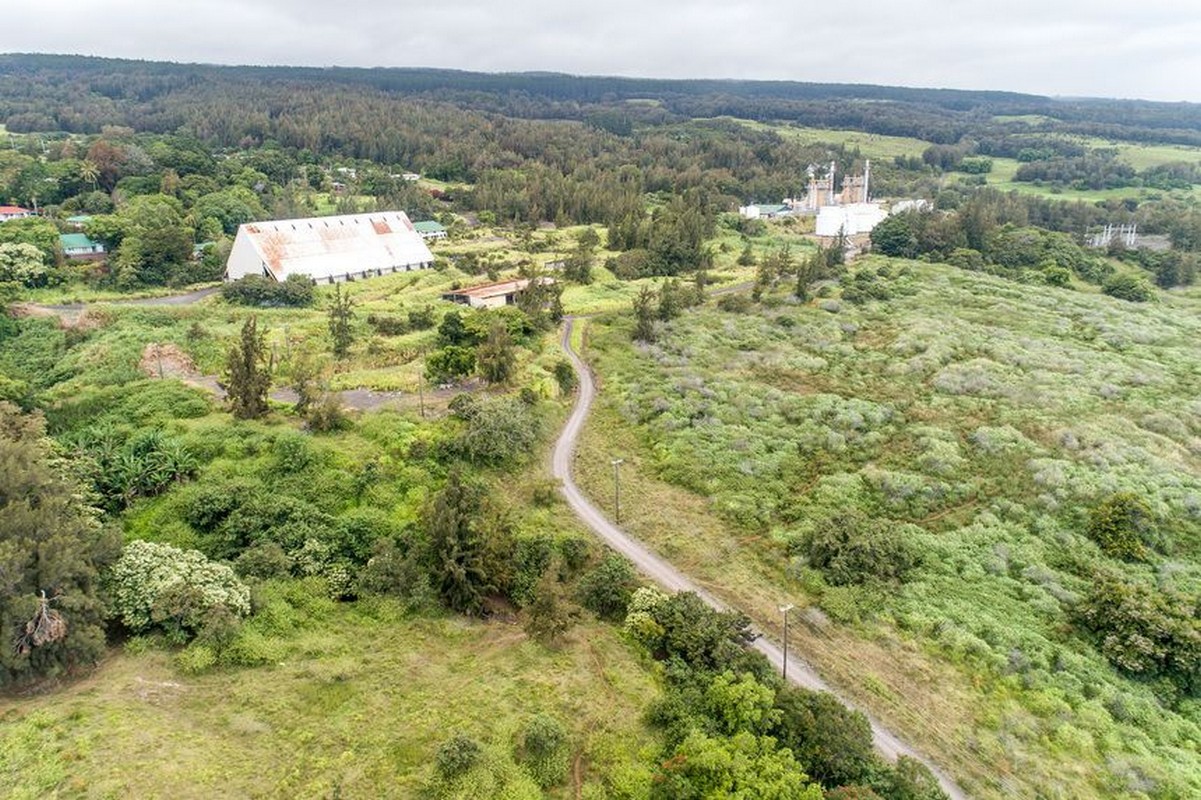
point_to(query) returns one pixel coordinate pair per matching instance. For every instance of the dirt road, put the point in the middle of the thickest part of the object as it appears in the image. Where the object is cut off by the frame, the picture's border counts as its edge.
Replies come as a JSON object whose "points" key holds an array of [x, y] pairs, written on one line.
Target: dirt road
{"points": [[672, 579]]}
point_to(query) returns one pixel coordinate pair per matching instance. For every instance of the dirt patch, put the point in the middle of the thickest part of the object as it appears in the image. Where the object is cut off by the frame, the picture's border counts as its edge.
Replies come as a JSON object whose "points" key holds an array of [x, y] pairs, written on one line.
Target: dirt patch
{"points": [[166, 360]]}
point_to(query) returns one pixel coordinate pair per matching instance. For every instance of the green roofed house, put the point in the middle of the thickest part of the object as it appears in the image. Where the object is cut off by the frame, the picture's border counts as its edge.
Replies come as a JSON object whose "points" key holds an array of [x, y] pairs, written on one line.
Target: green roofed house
{"points": [[78, 245], [430, 230], [79, 220]]}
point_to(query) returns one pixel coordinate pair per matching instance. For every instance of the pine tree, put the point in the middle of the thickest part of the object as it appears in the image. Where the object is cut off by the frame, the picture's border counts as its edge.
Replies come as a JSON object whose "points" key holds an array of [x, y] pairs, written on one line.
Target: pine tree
{"points": [[51, 552], [496, 356], [645, 311], [456, 554], [341, 312], [249, 377]]}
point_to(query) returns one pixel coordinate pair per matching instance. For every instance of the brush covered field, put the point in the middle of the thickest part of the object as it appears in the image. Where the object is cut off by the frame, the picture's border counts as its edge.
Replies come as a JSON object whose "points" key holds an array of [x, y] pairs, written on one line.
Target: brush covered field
{"points": [[980, 423], [354, 704]]}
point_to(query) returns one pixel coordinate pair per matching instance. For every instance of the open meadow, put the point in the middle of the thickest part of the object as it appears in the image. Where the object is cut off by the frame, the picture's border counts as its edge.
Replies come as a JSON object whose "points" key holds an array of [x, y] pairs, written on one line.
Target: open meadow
{"points": [[354, 703]]}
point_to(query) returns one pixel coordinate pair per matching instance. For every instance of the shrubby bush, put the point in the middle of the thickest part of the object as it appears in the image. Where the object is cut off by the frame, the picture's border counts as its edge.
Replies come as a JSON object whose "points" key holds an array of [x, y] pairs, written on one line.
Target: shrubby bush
{"points": [[159, 585], [832, 741], [606, 589], [1144, 631], [450, 363], [497, 429], [850, 548], [457, 755], [544, 750], [256, 290], [1121, 525], [1129, 287]]}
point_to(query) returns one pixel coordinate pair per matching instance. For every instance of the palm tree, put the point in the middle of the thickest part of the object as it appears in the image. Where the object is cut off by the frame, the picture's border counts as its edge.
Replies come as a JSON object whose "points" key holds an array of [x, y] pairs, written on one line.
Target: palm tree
{"points": [[90, 173]]}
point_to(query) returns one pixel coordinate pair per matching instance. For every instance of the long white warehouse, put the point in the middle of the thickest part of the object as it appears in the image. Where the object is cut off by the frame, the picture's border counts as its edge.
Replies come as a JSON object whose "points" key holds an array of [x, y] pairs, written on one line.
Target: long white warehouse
{"points": [[329, 249]]}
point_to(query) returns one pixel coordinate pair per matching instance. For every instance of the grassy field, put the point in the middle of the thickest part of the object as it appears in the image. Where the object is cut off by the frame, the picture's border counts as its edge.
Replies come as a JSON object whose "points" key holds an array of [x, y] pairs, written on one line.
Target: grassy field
{"points": [[871, 145], [981, 416], [356, 706]]}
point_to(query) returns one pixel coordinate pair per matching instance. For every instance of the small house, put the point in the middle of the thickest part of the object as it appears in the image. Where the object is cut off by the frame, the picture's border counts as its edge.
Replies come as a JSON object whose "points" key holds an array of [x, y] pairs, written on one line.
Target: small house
{"points": [[80, 246], [430, 230], [78, 221], [14, 212]]}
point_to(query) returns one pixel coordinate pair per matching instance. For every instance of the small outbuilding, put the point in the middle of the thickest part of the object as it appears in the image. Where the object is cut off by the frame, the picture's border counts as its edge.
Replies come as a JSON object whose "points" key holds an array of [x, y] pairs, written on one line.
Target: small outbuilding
{"points": [[329, 249], [430, 230], [491, 295], [80, 246]]}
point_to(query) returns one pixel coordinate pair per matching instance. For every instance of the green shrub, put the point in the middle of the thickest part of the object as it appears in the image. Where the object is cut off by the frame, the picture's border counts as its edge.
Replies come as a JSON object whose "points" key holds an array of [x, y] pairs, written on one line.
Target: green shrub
{"points": [[456, 756], [544, 750], [1121, 525], [1133, 288], [832, 741], [1144, 631], [606, 589], [450, 363], [257, 290], [498, 429], [264, 560], [849, 548], [195, 659]]}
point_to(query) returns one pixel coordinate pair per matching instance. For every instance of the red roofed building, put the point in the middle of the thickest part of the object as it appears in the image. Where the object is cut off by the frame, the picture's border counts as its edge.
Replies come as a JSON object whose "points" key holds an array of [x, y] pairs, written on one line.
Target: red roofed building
{"points": [[13, 212]]}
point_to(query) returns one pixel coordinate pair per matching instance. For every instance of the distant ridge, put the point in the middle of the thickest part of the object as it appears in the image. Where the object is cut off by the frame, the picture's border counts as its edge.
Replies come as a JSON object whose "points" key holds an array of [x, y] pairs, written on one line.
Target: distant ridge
{"points": [[79, 93]]}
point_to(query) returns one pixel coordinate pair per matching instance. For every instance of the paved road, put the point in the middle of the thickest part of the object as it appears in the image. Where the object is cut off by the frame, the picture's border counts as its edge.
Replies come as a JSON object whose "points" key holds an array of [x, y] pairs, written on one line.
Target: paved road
{"points": [[185, 299], [672, 579]]}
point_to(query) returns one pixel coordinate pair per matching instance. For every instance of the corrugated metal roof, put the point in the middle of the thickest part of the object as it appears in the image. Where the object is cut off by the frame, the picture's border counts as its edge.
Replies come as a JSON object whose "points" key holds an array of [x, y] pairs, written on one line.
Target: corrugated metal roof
{"points": [[75, 241], [322, 247], [498, 289]]}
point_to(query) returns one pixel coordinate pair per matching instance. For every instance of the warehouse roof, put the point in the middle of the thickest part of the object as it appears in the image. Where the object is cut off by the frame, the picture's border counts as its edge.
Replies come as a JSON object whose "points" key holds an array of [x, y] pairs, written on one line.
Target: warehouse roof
{"points": [[323, 247]]}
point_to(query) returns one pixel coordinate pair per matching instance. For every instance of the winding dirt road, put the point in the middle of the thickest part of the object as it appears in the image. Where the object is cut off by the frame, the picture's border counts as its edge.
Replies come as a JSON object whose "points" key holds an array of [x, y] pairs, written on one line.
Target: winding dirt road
{"points": [[672, 579]]}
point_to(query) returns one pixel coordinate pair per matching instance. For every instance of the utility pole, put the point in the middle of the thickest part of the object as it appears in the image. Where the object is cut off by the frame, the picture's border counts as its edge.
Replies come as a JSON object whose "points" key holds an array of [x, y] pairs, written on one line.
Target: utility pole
{"points": [[784, 610], [617, 462]]}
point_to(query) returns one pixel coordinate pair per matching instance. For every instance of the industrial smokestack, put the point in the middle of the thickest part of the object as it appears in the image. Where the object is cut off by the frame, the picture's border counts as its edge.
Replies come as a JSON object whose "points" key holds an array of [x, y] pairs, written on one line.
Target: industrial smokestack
{"points": [[867, 176]]}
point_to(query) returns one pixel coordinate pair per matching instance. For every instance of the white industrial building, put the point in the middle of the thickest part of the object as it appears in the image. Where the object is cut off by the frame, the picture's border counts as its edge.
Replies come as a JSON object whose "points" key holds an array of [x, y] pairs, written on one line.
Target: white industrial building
{"points": [[329, 249], [849, 220]]}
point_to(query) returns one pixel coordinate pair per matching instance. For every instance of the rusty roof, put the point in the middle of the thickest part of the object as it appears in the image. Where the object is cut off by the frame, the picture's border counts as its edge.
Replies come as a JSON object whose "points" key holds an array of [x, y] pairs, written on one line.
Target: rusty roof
{"points": [[322, 247]]}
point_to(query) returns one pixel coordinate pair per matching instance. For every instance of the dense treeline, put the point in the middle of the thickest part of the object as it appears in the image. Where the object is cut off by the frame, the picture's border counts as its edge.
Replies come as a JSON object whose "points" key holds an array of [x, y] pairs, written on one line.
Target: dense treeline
{"points": [[939, 115]]}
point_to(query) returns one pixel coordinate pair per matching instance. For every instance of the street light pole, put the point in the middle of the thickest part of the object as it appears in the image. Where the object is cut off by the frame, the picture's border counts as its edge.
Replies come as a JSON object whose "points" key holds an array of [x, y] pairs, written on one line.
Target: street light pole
{"points": [[784, 610], [617, 462]]}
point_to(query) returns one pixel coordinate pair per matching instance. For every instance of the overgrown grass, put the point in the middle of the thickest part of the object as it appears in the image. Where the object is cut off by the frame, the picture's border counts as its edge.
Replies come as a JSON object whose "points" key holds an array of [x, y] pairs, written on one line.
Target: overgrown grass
{"points": [[985, 417], [355, 703]]}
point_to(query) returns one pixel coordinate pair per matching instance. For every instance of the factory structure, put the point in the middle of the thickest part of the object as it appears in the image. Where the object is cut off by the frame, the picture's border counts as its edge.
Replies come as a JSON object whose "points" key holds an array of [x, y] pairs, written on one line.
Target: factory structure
{"points": [[329, 249], [845, 212]]}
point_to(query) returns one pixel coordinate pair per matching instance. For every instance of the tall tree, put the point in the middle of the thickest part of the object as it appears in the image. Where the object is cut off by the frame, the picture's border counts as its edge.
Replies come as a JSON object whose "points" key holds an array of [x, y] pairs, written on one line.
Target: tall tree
{"points": [[456, 554], [496, 356], [249, 376], [645, 311], [341, 313], [51, 553]]}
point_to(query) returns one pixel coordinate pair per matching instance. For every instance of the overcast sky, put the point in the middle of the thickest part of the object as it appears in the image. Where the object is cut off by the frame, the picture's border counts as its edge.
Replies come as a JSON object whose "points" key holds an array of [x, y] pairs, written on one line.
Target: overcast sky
{"points": [[1104, 48]]}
